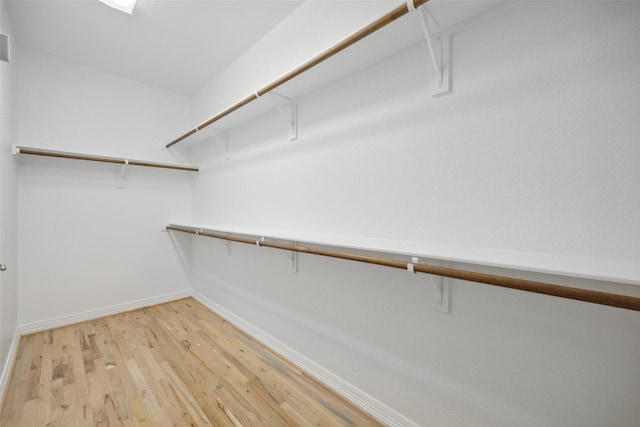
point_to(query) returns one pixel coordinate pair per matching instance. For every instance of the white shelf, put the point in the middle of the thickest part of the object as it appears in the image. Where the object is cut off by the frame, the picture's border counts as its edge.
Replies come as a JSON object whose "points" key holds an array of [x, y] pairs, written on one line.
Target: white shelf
{"points": [[610, 270]]}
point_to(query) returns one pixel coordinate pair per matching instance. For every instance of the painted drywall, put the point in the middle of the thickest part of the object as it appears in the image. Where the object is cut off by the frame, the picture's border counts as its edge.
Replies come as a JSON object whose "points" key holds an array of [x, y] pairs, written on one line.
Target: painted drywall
{"points": [[534, 151], [86, 244], [8, 200], [294, 41]]}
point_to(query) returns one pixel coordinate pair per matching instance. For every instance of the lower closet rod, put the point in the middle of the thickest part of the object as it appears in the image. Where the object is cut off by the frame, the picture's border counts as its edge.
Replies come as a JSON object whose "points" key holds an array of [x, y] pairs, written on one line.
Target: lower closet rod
{"points": [[586, 295], [103, 159]]}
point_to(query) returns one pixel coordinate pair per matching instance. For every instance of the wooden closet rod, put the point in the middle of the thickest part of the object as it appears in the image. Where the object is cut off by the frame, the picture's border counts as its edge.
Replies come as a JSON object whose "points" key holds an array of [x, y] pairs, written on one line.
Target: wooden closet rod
{"points": [[395, 14], [103, 159], [596, 297]]}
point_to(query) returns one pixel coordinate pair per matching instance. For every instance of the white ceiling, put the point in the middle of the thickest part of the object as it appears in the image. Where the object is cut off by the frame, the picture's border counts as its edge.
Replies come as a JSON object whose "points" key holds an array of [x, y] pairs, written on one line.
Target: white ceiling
{"points": [[177, 45]]}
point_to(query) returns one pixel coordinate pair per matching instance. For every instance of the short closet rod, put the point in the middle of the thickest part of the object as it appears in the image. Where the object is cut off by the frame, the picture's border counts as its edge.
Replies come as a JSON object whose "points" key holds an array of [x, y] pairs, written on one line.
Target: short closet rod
{"points": [[585, 295], [163, 166], [395, 14], [78, 156]]}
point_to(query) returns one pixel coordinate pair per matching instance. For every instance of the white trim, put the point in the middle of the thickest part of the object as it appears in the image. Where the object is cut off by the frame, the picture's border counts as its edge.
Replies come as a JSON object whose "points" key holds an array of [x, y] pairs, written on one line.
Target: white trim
{"points": [[356, 396], [8, 366], [57, 322]]}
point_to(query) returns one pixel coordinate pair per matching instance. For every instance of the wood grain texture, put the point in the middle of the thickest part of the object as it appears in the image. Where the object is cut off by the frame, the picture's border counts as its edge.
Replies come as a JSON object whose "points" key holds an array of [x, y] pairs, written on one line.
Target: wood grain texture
{"points": [[174, 364], [104, 159]]}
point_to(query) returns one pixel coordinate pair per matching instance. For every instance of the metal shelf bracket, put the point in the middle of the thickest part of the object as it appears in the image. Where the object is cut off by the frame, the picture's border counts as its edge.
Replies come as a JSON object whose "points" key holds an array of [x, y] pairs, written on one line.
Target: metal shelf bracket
{"points": [[439, 290], [438, 44], [222, 137], [290, 117], [122, 174], [227, 243], [292, 255]]}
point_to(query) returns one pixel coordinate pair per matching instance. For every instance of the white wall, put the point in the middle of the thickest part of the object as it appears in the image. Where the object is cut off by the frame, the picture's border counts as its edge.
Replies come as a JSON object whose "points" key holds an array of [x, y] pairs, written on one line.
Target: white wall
{"points": [[294, 41], [8, 200], [533, 154], [84, 243]]}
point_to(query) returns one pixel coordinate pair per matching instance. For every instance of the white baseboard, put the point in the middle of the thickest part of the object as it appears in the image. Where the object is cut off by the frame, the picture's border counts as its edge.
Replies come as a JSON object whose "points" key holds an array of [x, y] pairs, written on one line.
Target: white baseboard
{"points": [[8, 366], [57, 322], [358, 397]]}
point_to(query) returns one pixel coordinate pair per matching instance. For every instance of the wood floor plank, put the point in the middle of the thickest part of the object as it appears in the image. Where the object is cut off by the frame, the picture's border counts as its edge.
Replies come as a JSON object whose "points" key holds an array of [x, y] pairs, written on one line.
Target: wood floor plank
{"points": [[15, 403], [276, 374], [46, 374], [185, 399], [175, 364], [57, 402]]}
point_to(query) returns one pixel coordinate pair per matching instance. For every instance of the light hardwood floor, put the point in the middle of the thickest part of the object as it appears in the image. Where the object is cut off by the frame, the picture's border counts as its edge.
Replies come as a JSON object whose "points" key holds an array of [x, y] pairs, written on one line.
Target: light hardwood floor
{"points": [[174, 364]]}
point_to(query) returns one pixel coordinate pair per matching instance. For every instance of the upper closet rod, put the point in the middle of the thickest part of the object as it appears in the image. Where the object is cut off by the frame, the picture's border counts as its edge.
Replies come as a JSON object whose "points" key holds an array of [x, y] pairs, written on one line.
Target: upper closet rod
{"points": [[596, 297], [104, 159], [395, 14]]}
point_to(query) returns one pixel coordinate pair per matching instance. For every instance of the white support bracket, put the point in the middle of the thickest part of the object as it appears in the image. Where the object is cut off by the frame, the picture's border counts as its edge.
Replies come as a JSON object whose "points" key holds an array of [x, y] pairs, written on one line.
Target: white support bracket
{"points": [[122, 174], [290, 117], [227, 243], [439, 290], [292, 255], [439, 48], [222, 137]]}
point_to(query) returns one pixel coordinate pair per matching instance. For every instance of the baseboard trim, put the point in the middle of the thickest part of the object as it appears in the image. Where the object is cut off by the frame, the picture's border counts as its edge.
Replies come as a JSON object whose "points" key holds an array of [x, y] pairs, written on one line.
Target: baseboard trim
{"points": [[8, 367], [377, 409], [57, 322]]}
